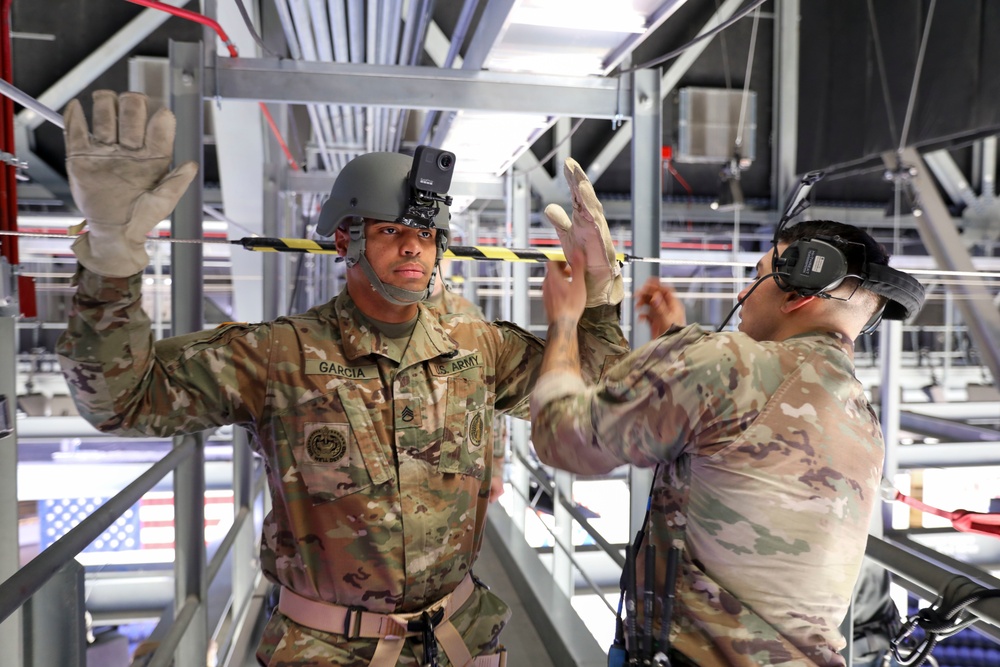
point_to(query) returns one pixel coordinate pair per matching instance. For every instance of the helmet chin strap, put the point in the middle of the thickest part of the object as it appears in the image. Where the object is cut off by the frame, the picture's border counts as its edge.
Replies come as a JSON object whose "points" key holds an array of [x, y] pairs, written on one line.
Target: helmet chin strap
{"points": [[394, 295]]}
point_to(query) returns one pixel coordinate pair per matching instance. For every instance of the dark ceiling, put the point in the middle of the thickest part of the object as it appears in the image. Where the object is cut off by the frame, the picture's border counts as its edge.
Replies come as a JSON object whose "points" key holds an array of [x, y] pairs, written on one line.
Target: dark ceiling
{"points": [[857, 57]]}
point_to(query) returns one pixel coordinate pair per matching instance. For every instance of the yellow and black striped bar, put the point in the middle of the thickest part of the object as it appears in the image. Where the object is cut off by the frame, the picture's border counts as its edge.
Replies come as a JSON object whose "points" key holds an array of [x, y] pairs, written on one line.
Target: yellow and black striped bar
{"points": [[265, 244], [505, 254], [480, 253]]}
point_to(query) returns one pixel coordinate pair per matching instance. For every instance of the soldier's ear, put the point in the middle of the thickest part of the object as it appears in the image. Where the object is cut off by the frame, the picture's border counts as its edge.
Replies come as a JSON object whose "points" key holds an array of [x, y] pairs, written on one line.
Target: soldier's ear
{"points": [[341, 241], [795, 301]]}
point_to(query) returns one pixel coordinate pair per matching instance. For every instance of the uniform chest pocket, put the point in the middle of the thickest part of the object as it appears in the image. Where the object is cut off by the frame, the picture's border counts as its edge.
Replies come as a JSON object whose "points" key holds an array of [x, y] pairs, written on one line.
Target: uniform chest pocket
{"points": [[467, 441], [339, 459]]}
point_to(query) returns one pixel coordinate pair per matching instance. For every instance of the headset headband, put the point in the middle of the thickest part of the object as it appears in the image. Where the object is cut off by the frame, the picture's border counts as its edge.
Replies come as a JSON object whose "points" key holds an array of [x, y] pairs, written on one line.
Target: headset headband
{"points": [[905, 293]]}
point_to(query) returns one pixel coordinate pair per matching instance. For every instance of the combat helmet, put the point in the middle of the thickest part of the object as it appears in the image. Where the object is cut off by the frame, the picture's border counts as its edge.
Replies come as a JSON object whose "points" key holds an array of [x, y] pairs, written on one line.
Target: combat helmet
{"points": [[382, 186]]}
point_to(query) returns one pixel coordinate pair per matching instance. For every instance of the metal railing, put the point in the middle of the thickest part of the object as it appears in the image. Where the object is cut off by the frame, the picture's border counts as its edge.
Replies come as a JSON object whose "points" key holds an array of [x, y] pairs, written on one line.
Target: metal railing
{"points": [[917, 568], [18, 589]]}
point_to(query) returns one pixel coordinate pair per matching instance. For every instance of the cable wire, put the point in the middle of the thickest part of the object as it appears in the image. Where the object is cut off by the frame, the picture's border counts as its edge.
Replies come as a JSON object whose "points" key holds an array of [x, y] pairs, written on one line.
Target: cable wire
{"points": [[746, 80], [916, 76], [700, 38], [253, 32], [883, 77], [548, 156]]}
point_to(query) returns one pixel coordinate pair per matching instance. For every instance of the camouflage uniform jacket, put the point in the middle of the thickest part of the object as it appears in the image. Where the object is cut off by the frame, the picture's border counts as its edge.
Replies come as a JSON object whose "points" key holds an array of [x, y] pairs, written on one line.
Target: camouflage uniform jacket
{"points": [[769, 459], [378, 458], [453, 303]]}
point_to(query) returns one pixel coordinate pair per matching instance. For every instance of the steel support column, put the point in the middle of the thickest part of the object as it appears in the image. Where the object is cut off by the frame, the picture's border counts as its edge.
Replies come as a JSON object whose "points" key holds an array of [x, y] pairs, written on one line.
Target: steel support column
{"points": [[245, 567], [647, 202], [562, 563], [274, 282], [786, 98], [890, 353], [186, 68], [57, 610], [519, 202]]}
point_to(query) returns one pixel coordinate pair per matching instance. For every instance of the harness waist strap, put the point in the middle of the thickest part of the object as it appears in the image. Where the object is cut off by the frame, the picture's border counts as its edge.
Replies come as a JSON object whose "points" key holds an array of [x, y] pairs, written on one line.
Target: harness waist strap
{"points": [[354, 623]]}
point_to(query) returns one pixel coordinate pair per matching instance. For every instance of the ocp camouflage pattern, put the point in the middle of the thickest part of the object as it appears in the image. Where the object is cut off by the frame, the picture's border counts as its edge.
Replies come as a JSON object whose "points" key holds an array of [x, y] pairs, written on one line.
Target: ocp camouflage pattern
{"points": [[453, 303], [378, 458], [769, 459]]}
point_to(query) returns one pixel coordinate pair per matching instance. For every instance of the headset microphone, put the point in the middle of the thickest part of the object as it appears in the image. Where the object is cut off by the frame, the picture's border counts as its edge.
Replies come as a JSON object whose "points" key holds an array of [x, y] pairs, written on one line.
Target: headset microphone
{"points": [[741, 300]]}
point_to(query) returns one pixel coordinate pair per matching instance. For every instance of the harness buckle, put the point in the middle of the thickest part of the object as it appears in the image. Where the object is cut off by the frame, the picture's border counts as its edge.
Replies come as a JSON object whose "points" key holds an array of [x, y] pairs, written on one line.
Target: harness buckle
{"points": [[352, 622], [425, 625]]}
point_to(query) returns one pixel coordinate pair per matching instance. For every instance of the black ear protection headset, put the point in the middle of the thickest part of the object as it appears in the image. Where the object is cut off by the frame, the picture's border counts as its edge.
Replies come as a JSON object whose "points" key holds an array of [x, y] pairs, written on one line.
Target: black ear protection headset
{"points": [[816, 266]]}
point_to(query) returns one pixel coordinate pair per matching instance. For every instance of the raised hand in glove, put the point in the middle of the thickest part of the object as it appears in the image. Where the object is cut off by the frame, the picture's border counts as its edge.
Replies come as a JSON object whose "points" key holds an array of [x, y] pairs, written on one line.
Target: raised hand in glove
{"points": [[121, 180], [588, 229]]}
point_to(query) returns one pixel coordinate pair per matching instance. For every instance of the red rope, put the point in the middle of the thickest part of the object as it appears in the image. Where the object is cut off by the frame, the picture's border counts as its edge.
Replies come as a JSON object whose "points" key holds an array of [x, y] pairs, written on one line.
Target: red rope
{"points": [[981, 523]]}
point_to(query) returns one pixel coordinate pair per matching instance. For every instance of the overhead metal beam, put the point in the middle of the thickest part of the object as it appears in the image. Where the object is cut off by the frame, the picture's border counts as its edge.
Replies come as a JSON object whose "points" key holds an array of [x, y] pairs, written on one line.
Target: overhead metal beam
{"points": [[941, 237], [297, 82], [621, 138]]}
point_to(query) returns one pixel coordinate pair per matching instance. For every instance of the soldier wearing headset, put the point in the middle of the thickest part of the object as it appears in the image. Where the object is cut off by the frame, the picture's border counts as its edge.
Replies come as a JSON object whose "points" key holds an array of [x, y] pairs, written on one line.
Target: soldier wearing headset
{"points": [[767, 454], [373, 414]]}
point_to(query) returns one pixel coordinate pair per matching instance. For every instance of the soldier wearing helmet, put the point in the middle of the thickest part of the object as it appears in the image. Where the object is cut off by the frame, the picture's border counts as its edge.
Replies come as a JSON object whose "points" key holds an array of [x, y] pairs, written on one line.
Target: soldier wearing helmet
{"points": [[382, 187], [373, 413]]}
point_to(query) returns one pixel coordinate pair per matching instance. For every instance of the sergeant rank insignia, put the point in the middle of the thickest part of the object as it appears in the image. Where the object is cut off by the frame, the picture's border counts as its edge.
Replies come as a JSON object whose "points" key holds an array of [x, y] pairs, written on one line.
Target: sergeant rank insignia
{"points": [[326, 445]]}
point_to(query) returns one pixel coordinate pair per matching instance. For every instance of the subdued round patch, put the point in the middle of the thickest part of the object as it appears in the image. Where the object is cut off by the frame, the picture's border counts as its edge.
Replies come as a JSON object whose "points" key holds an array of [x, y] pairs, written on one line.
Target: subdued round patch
{"points": [[326, 445], [476, 430]]}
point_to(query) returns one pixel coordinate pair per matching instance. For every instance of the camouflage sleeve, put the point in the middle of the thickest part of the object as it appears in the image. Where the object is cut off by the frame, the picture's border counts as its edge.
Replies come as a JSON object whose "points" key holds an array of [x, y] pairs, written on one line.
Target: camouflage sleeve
{"points": [[601, 343], [646, 408], [124, 383]]}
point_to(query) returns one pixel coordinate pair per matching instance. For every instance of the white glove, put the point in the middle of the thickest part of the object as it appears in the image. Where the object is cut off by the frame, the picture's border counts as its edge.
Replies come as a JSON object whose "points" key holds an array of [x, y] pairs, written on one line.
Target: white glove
{"points": [[119, 179], [588, 230]]}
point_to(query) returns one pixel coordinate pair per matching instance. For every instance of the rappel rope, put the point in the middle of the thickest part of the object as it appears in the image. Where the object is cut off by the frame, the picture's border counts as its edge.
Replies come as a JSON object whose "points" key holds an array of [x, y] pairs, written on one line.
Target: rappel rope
{"points": [[480, 253], [467, 253]]}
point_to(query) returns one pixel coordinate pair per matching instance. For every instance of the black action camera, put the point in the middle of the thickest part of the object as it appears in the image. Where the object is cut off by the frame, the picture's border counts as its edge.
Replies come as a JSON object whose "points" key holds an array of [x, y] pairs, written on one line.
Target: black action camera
{"points": [[432, 170]]}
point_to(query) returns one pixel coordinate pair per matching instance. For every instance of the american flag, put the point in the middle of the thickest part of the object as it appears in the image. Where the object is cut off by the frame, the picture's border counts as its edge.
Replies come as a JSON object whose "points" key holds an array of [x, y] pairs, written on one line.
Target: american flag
{"points": [[143, 534]]}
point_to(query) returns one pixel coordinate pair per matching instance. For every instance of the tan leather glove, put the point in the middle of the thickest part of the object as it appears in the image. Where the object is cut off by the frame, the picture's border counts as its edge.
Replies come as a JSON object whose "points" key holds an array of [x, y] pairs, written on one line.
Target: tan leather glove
{"points": [[120, 180], [588, 229]]}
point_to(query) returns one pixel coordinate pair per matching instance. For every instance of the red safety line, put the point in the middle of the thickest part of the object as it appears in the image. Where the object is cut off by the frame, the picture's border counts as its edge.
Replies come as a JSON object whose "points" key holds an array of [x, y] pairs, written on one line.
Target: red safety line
{"points": [[961, 520]]}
